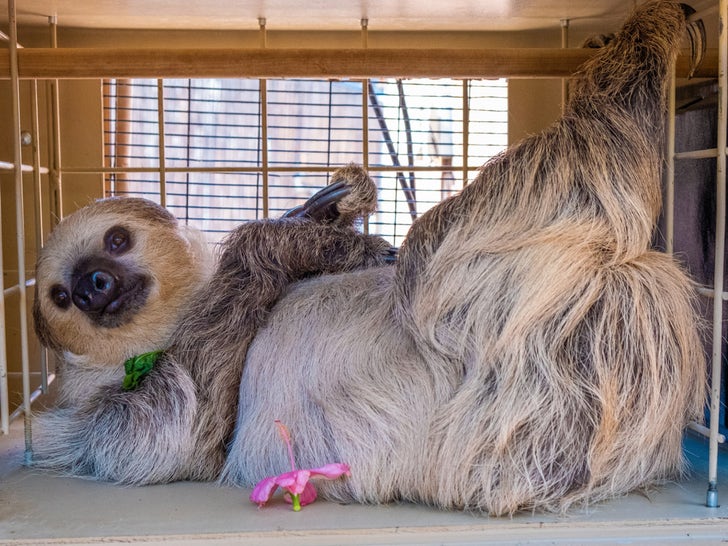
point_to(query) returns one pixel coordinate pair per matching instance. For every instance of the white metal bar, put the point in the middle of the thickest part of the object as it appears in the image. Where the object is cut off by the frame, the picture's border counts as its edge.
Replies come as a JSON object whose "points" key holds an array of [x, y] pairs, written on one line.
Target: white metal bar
{"points": [[705, 431], [670, 170], [708, 153], [710, 293], [4, 389], [56, 180], [5, 38], [5, 417], [14, 289], [720, 224], [162, 150], [37, 169], [38, 209], [20, 228], [33, 397], [5, 166]]}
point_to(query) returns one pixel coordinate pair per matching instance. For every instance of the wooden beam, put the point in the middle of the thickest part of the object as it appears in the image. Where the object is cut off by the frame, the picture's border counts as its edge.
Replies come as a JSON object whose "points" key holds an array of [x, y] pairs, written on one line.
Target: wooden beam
{"points": [[80, 63]]}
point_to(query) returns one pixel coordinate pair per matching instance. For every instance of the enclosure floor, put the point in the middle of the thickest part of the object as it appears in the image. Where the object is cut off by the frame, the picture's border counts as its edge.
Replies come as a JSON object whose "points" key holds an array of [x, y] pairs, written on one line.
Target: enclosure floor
{"points": [[37, 508]]}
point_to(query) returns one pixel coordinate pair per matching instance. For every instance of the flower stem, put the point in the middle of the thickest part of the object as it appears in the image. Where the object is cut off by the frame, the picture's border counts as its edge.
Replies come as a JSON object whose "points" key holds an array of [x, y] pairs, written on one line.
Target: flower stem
{"points": [[283, 431], [296, 499]]}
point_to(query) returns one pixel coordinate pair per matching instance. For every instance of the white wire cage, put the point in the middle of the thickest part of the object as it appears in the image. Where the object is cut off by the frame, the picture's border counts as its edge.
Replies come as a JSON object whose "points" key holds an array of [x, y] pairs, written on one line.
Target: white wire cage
{"points": [[38, 196]]}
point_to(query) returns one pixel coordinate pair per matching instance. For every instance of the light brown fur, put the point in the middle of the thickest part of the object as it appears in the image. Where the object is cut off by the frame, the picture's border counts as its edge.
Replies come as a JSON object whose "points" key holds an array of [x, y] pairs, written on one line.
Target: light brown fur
{"points": [[528, 351], [179, 421], [176, 258]]}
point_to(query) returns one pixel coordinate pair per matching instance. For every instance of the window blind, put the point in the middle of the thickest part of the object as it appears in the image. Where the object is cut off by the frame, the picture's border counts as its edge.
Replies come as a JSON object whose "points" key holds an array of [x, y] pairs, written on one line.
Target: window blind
{"points": [[235, 150]]}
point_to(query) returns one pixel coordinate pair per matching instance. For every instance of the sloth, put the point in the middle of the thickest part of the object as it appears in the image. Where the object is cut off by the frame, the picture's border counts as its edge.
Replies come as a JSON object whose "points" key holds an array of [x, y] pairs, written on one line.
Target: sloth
{"points": [[117, 278], [112, 282], [527, 351]]}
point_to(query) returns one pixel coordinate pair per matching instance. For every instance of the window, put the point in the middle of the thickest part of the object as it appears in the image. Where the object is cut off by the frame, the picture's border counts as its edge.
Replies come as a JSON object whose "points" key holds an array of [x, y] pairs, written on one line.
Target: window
{"points": [[425, 139]]}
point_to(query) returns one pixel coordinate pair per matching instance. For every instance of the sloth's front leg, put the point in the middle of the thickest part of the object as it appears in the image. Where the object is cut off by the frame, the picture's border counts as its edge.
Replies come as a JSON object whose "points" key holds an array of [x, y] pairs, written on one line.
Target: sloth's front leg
{"points": [[350, 196], [259, 261], [135, 437]]}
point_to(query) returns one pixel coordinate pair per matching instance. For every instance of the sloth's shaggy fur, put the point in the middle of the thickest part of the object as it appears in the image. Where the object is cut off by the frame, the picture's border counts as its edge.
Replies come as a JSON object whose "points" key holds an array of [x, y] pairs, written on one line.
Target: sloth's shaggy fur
{"points": [[528, 351], [178, 422]]}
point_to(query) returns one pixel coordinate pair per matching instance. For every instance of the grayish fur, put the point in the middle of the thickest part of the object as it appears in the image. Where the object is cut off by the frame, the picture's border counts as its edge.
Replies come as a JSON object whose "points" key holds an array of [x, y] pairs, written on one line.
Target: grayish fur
{"points": [[528, 351], [96, 429], [177, 424], [260, 260]]}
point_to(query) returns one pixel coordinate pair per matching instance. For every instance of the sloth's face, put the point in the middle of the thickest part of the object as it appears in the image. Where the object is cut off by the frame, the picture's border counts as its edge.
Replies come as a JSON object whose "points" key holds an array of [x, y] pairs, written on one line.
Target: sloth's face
{"points": [[103, 284], [112, 281]]}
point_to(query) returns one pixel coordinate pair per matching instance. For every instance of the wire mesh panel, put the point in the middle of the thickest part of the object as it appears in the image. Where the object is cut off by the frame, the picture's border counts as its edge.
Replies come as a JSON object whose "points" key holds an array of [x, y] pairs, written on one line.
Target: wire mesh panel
{"points": [[214, 202], [314, 123], [131, 128], [232, 149], [396, 210], [212, 123], [420, 128], [488, 127], [415, 122]]}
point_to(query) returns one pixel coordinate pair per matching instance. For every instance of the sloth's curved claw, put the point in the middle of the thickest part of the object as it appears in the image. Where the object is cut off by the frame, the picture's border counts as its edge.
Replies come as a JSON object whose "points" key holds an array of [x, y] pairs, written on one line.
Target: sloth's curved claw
{"points": [[696, 37], [321, 207]]}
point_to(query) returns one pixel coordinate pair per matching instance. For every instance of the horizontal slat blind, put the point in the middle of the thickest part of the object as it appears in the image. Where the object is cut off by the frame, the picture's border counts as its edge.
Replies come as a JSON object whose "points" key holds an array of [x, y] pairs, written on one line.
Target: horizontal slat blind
{"points": [[211, 123], [212, 161]]}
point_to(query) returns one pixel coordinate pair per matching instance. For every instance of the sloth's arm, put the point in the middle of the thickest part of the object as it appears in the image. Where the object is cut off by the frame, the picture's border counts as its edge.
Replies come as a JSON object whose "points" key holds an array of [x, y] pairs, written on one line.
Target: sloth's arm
{"points": [[137, 437], [258, 262], [350, 196]]}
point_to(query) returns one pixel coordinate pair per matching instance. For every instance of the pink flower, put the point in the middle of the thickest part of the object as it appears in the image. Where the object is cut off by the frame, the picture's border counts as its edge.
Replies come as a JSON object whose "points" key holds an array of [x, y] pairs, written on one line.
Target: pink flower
{"points": [[299, 491]]}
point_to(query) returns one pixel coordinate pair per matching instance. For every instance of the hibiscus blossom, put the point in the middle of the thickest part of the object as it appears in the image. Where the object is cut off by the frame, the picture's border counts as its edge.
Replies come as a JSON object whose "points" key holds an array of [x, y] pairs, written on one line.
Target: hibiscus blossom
{"points": [[299, 490]]}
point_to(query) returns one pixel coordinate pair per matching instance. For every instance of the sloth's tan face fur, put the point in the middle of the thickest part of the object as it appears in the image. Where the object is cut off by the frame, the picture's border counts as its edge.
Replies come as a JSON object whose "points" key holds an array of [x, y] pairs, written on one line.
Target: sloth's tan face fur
{"points": [[112, 281]]}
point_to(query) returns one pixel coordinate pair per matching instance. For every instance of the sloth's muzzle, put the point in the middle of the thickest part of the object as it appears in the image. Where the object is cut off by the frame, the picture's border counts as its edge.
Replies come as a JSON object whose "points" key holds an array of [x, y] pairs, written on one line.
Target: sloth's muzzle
{"points": [[94, 291], [108, 291]]}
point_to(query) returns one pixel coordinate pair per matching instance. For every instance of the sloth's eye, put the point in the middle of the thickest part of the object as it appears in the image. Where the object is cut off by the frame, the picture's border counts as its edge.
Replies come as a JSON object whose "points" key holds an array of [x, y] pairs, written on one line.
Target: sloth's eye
{"points": [[60, 296], [117, 240]]}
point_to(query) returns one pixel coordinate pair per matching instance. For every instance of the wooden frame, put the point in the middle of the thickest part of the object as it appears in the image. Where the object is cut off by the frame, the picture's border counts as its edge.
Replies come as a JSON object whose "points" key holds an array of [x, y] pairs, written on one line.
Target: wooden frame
{"points": [[79, 63]]}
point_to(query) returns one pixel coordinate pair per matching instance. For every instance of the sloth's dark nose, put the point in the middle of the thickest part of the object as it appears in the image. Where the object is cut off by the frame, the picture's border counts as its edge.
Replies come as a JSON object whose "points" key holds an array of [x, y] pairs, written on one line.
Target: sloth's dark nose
{"points": [[94, 291]]}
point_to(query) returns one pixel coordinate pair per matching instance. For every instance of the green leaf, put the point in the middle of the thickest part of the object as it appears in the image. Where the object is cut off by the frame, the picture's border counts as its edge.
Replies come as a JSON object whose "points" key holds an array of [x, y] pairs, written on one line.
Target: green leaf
{"points": [[137, 367]]}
